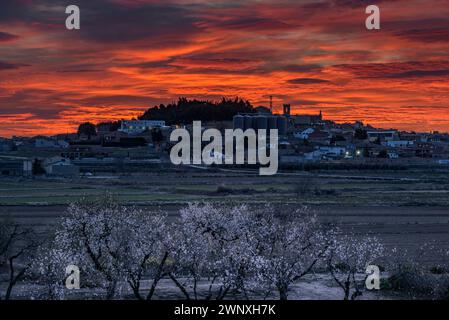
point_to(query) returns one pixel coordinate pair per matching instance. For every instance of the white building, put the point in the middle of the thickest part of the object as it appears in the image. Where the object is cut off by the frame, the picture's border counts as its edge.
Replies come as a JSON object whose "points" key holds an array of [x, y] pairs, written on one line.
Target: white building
{"points": [[59, 166], [386, 135], [304, 135], [392, 155], [324, 152], [332, 150], [139, 126], [398, 143]]}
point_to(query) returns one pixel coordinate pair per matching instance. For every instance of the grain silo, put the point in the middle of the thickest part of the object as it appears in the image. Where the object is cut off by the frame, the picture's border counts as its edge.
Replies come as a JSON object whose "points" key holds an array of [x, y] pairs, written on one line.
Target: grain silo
{"points": [[272, 122], [239, 122], [282, 125], [248, 122], [261, 122]]}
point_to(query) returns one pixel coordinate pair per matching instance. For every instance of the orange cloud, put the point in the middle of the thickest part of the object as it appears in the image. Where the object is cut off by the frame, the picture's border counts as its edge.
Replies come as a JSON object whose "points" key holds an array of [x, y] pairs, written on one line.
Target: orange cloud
{"points": [[129, 56]]}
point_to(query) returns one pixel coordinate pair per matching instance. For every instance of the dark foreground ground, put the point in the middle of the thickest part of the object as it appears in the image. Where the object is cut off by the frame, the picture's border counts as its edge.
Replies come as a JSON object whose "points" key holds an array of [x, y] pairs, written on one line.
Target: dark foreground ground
{"points": [[403, 208]]}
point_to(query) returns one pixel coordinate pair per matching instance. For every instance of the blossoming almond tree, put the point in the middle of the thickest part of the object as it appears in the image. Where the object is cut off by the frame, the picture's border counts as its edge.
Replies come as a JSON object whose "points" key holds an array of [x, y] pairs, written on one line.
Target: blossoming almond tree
{"points": [[92, 231], [213, 250], [212, 245], [147, 250], [48, 269], [111, 243], [288, 246], [349, 256]]}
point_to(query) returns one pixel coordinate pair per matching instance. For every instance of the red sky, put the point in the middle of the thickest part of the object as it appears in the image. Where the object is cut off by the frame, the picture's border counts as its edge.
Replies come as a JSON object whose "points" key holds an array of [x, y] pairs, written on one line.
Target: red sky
{"points": [[131, 55]]}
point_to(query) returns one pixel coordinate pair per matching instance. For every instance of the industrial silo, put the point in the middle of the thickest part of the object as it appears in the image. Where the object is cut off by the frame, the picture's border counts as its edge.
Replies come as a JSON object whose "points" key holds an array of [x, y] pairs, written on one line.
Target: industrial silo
{"points": [[248, 122], [239, 122], [282, 125], [272, 122], [261, 122]]}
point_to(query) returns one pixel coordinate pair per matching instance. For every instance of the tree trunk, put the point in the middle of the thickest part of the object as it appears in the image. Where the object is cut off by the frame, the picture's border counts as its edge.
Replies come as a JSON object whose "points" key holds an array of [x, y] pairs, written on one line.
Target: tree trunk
{"points": [[357, 291], [347, 290], [110, 291], [135, 286], [223, 294], [158, 276], [283, 292], [12, 277], [180, 286]]}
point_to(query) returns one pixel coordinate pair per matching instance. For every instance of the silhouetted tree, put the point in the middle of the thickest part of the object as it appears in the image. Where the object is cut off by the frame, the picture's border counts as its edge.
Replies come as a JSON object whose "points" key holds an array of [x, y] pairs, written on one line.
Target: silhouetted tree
{"points": [[360, 134], [17, 248], [88, 129], [185, 110], [113, 125]]}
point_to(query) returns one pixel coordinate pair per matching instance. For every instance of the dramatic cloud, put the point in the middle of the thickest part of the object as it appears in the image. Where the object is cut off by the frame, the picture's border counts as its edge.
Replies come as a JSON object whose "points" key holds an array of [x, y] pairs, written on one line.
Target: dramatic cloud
{"points": [[9, 66], [426, 35], [421, 73], [306, 81], [130, 55], [4, 37]]}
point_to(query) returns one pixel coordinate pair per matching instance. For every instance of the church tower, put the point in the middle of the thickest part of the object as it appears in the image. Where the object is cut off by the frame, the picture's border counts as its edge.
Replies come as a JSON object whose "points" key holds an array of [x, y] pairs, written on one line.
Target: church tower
{"points": [[287, 109]]}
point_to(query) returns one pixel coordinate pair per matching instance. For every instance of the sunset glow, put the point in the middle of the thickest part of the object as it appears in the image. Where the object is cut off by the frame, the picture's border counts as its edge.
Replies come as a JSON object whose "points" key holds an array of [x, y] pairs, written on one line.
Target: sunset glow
{"points": [[131, 55]]}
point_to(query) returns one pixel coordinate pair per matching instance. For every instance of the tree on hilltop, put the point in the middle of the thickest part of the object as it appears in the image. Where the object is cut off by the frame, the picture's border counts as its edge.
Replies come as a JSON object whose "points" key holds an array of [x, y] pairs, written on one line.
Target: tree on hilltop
{"points": [[185, 111], [88, 129]]}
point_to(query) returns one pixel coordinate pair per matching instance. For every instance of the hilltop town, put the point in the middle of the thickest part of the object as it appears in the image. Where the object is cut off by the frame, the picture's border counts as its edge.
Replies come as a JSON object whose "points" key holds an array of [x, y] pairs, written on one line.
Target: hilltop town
{"points": [[141, 144]]}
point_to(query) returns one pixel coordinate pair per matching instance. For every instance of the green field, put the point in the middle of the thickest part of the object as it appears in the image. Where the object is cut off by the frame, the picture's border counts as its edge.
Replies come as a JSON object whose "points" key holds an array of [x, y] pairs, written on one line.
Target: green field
{"points": [[329, 188]]}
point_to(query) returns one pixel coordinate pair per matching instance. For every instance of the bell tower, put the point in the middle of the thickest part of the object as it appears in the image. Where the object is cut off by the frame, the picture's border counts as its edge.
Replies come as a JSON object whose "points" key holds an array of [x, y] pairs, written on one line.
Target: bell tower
{"points": [[287, 109]]}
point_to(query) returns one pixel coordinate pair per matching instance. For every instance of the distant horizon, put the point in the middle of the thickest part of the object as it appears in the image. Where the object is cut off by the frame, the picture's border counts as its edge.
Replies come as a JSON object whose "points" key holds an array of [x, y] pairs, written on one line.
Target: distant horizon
{"points": [[276, 111], [316, 55]]}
